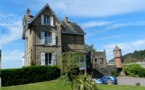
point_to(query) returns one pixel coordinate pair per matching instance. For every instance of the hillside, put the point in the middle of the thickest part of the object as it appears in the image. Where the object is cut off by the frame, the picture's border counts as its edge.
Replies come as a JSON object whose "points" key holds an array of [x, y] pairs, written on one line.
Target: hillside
{"points": [[136, 56]]}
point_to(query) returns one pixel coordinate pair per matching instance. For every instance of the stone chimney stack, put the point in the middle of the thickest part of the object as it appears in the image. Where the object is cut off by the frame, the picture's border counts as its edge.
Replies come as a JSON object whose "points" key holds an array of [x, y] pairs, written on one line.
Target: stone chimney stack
{"points": [[66, 20]]}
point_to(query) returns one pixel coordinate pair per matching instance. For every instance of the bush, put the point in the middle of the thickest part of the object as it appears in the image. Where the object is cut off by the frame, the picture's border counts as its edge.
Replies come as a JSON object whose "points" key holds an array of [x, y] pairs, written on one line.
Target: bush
{"points": [[115, 73], [134, 70], [29, 75]]}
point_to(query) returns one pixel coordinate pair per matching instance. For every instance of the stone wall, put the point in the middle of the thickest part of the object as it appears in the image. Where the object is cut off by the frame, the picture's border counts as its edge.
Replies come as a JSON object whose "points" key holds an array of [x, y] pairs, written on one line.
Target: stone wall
{"points": [[99, 58]]}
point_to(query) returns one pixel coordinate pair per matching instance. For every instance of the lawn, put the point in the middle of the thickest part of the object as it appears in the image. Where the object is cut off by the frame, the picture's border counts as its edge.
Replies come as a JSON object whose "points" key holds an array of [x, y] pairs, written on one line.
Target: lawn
{"points": [[59, 85]]}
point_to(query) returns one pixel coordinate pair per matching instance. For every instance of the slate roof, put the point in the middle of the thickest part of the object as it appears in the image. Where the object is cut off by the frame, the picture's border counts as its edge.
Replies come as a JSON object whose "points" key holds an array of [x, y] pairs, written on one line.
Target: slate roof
{"points": [[41, 11], [72, 28]]}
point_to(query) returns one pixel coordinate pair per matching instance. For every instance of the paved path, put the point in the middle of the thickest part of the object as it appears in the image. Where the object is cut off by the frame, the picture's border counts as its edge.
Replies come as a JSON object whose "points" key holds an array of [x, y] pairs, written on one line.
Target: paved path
{"points": [[130, 81]]}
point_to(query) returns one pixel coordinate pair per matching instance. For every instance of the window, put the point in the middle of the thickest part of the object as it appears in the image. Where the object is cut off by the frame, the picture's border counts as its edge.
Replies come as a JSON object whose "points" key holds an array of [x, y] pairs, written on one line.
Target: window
{"points": [[101, 60], [95, 59], [48, 58], [47, 20], [82, 63], [48, 39]]}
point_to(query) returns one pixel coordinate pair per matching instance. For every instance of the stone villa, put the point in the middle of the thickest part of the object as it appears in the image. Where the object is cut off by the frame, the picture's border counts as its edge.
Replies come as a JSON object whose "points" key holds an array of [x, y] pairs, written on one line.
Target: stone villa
{"points": [[47, 38]]}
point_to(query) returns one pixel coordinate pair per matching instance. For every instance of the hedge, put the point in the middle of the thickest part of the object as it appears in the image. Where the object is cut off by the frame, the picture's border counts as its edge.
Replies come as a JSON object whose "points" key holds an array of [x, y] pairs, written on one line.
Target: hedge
{"points": [[27, 75]]}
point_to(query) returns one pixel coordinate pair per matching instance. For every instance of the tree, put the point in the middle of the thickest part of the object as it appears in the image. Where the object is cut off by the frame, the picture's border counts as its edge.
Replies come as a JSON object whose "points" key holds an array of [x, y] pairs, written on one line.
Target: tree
{"points": [[90, 48], [71, 66]]}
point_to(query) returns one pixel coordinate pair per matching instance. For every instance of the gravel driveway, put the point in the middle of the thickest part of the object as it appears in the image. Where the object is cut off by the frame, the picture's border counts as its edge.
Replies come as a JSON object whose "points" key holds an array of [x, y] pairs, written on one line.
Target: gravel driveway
{"points": [[130, 81]]}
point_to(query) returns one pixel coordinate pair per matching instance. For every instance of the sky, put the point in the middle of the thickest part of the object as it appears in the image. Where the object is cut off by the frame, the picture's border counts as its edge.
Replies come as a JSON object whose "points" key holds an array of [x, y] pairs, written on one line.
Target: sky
{"points": [[107, 23]]}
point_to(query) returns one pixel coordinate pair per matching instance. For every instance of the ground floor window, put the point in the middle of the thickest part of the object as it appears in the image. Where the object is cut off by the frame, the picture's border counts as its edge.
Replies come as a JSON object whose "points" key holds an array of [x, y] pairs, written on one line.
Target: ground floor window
{"points": [[48, 58]]}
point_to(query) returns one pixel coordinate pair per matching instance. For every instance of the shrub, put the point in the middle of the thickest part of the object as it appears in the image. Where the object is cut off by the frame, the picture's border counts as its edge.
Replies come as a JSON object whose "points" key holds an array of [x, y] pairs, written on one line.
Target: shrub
{"points": [[29, 75], [115, 73], [134, 70]]}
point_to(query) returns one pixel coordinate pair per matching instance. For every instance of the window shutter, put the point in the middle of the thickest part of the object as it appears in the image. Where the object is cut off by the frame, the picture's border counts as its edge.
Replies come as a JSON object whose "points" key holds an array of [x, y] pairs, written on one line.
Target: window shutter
{"points": [[53, 58], [43, 38], [51, 21], [42, 58], [42, 19], [53, 39]]}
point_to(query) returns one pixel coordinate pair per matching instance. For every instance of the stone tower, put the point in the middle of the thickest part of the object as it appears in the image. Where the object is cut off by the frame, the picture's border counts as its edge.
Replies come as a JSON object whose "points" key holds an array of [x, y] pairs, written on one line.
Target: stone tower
{"points": [[118, 57]]}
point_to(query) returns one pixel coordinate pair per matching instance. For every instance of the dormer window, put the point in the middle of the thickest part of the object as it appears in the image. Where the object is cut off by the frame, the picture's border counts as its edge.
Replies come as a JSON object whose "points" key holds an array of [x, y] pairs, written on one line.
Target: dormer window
{"points": [[47, 20]]}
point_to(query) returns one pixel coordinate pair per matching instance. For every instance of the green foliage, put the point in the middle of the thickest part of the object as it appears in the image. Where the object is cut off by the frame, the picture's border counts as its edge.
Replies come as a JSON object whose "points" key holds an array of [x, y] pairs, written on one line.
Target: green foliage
{"points": [[85, 82], [134, 70], [70, 66], [115, 73], [29, 75], [90, 48]]}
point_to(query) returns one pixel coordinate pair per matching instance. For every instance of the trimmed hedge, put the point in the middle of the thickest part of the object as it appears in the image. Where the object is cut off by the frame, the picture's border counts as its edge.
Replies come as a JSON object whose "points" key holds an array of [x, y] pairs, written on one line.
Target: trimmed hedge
{"points": [[27, 75]]}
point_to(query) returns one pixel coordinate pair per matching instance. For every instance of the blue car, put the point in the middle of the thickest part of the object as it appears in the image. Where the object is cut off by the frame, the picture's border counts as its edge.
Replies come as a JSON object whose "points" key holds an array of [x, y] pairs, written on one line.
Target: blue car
{"points": [[97, 81], [109, 79]]}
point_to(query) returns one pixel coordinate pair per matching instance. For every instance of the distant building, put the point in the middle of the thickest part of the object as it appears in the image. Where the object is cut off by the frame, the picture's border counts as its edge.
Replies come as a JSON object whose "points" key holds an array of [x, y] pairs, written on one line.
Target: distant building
{"points": [[118, 57], [47, 38], [98, 59]]}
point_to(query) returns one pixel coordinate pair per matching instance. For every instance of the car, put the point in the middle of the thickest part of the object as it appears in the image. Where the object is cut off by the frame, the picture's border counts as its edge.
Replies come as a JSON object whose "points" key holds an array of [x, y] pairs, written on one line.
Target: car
{"points": [[97, 81], [109, 80]]}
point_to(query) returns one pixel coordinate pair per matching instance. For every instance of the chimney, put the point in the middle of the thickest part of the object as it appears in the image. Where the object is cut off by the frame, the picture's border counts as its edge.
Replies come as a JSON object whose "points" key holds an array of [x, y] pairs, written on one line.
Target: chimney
{"points": [[28, 13], [66, 20]]}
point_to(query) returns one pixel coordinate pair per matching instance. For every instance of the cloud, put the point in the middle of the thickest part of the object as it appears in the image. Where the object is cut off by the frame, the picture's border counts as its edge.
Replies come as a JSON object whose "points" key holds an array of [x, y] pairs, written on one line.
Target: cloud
{"points": [[138, 43], [13, 28], [96, 8], [95, 24], [126, 47], [111, 37], [120, 25], [12, 59]]}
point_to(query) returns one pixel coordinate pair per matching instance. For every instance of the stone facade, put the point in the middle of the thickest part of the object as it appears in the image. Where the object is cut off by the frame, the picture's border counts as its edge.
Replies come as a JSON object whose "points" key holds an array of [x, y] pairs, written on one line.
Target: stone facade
{"points": [[98, 59], [44, 44]]}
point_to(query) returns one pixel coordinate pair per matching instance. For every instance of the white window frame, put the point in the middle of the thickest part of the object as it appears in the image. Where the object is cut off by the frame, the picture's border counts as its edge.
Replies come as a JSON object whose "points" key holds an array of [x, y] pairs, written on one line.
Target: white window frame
{"points": [[48, 59], [47, 20], [48, 39]]}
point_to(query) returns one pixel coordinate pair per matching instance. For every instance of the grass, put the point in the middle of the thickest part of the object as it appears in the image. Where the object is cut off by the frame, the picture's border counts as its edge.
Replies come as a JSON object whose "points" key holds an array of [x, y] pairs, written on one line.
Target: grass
{"points": [[59, 85]]}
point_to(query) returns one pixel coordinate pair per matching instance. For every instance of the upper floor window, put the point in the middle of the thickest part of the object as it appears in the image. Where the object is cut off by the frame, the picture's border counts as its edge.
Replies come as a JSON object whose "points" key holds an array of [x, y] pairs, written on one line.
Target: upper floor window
{"points": [[48, 38], [47, 20], [101, 60]]}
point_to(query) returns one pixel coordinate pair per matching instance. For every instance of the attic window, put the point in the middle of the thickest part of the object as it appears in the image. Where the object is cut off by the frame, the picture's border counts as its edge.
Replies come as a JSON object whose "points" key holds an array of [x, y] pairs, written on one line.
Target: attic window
{"points": [[47, 20]]}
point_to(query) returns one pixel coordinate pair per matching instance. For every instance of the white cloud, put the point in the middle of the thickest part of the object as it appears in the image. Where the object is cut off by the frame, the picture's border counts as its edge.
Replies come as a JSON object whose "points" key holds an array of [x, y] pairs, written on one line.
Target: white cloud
{"points": [[126, 47], [111, 37], [138, 43], [96, 8], [95, 24], [91, 8], [13, 25], [12, 59]]}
